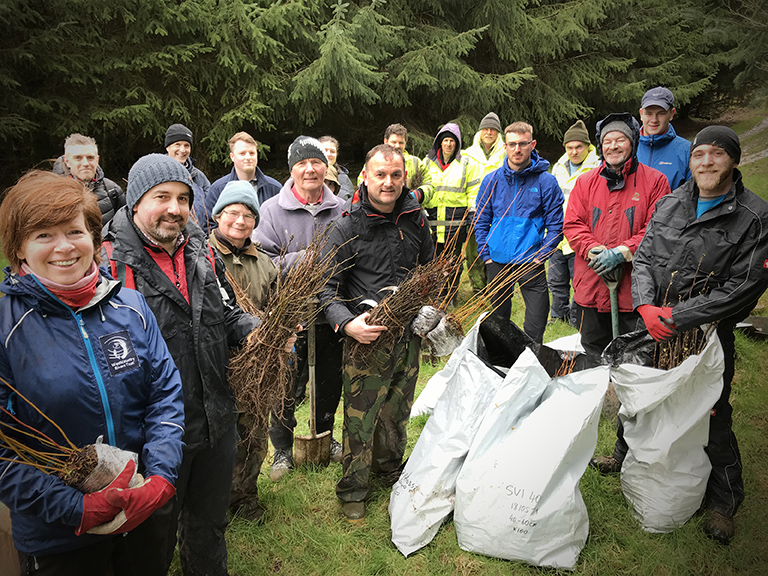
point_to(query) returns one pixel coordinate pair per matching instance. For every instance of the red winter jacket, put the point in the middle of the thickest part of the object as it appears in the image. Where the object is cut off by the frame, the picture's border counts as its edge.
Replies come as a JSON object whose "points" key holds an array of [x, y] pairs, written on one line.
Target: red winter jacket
{"points": [[597, 216]]}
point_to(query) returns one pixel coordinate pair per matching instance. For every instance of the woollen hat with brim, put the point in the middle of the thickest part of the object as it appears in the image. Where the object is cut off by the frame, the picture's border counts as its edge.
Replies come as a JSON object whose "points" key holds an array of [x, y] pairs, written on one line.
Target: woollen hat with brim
{"points": [[238, 192], [304, 148], [720, 136], [151, 170], [177, 133], [491, 120], [577, 133]]}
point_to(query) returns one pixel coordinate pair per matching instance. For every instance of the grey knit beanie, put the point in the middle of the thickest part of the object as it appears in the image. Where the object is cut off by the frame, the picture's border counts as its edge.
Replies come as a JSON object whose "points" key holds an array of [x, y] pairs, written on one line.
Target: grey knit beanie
{"points": [[177, 133], [491, 120], [305, 147], [238, 192], [616, 126], [151, 170]]}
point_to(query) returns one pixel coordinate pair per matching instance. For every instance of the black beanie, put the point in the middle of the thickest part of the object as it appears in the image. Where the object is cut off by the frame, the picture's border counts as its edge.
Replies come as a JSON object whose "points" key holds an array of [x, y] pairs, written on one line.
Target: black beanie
{"points": [[722, 137], [305, 147], [176, 133]]}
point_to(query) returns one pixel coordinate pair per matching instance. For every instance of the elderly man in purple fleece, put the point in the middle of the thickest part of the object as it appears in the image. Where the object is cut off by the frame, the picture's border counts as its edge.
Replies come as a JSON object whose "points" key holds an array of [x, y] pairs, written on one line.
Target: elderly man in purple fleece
{"points": [[303, 208]]}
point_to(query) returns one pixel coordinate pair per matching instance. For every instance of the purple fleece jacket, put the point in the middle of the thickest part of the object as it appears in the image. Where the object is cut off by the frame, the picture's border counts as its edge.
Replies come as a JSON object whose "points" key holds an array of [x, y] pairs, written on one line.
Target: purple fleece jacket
{"points": [[287, 226]]}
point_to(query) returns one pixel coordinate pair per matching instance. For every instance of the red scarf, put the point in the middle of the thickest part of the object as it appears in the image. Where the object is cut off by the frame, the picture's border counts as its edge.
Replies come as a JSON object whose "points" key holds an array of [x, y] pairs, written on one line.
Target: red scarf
{"points": [[74, 295]]}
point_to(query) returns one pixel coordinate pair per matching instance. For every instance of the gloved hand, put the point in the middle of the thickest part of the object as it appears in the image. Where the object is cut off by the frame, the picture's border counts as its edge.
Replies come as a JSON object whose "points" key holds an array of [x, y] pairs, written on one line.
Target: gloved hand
{"points": [[96, 508], [606, 261], [658, 321], [138, 503], [594, 253], [427, 318]]}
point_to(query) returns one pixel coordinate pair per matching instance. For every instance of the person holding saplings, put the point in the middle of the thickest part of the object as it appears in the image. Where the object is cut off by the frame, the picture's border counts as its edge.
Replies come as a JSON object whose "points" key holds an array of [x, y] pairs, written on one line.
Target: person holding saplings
{"points": [[237, 214], [89, 356], [703, 259]]}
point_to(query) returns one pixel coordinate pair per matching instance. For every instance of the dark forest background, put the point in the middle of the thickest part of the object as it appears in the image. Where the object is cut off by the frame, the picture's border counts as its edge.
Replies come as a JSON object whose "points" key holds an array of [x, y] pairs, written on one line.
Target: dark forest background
{"points": [[122, 71]]}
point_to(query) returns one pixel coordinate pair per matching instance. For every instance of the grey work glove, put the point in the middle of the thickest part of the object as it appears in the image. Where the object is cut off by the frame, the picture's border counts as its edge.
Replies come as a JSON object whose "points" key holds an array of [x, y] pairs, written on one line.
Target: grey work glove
{"points": [[426, 320]]}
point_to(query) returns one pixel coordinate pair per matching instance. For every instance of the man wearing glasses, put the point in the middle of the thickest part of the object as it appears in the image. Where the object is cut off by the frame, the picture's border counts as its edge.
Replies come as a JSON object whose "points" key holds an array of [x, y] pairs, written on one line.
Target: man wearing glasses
{"points": [[518, 224]]}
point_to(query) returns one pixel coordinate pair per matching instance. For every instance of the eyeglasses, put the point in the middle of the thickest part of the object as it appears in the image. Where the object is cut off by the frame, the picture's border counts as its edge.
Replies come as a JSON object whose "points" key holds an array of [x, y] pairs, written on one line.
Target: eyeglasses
{"points": [[521, 145], [236, 215]]}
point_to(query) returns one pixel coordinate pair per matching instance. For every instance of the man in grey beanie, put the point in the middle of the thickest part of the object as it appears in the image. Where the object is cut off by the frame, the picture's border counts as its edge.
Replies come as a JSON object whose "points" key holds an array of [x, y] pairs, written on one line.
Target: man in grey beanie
{"points": [[488, 152], [607, 212], [703, 260], [155, 248]]}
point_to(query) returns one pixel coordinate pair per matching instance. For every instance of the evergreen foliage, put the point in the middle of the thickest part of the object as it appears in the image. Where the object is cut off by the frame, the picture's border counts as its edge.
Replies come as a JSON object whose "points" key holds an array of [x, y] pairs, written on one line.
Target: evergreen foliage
{"points": [[122, 71]]}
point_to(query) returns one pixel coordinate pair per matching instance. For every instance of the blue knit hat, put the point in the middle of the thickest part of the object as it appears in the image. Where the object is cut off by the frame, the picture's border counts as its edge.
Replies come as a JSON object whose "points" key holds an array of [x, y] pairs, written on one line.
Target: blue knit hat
{"points": [[238, 192], [151, 170]]}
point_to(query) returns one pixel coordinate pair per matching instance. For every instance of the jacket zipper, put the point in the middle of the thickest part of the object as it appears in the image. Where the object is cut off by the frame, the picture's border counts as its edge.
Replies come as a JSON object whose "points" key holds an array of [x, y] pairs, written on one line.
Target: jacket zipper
{"points": [[99, 379]]}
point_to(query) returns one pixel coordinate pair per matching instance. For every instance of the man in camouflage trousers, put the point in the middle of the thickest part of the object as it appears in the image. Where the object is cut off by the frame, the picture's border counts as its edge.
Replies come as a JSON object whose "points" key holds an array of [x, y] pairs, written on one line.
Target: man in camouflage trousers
{"points": [[380, 239]]}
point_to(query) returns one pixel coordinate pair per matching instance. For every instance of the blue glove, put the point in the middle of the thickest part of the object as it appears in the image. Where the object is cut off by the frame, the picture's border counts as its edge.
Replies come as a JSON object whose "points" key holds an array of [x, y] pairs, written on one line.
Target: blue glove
{"points": [[606, 261]]}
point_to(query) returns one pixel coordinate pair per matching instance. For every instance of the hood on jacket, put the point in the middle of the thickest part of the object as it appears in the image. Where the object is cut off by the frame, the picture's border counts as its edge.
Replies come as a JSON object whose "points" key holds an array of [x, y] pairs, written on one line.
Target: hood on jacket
{"points": [[629, 120], [497, 145], [450, 129]]}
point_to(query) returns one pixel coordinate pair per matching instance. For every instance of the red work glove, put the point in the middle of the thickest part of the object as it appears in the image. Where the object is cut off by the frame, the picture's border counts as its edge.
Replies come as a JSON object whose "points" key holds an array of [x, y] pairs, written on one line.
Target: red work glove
{"points": [[138, 503], [658, 321], [96, 508]]}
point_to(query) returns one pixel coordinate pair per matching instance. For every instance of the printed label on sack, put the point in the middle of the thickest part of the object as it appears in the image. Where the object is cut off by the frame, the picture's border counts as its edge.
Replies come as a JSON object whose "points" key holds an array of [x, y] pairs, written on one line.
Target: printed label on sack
{"points": [[119, 353]]}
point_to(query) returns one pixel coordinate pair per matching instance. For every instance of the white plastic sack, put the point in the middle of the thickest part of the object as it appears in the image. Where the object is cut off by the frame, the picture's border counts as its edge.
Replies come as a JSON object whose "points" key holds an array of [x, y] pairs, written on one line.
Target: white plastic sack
{"points": [[517, 496], [666, 426], [424, 495], [436, 385]]}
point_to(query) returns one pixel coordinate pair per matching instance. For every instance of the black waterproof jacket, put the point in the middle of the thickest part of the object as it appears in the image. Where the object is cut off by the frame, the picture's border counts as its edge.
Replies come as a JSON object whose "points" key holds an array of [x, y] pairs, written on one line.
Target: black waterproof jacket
{"points": [[109, 194], [375, 251], [709, 268], [198, 333]]}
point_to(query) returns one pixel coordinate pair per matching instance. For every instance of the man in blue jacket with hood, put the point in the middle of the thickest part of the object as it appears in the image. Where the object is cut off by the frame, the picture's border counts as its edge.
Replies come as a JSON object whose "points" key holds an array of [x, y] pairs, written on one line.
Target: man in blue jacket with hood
{"points": [[518, 224], [660, 147]]}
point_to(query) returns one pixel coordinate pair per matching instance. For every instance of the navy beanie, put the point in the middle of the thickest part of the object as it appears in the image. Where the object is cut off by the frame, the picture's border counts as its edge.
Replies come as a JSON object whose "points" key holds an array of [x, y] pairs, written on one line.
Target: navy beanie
{"points": [[176, 133], [151, 170], [720, 136], [238, 192]]}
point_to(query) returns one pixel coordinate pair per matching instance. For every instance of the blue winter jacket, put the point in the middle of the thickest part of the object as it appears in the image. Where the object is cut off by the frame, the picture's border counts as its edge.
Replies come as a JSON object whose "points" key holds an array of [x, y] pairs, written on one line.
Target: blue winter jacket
{"points": [[669, 154], [514, 209], [101, 370]]}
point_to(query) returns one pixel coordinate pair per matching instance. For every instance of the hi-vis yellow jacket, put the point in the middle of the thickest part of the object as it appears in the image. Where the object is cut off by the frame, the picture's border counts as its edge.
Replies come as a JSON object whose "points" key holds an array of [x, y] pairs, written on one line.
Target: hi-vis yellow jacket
{"points": [[449, 194], [488, 163], [567, 181]]}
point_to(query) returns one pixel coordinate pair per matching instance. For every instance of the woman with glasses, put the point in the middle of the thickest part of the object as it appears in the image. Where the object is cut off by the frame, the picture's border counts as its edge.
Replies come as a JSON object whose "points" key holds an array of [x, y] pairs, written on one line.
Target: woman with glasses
{"points": [[237, 214]]}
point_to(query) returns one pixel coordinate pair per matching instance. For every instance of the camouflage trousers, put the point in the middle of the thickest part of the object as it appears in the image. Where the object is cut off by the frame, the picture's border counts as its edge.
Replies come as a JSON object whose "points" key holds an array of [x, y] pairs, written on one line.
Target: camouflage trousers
{"points": [[250, 457], [377, 404]]}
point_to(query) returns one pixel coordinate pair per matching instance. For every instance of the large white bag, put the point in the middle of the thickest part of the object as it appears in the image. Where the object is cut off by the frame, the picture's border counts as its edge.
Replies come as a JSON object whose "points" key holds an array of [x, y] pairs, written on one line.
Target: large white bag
{"points": [[517, 495], [424, 495], [666, 426]]}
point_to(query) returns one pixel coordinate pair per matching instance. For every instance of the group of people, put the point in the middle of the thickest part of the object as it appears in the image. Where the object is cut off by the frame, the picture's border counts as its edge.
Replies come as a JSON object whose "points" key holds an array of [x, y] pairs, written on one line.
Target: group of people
{"points": [[118, 316]]}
